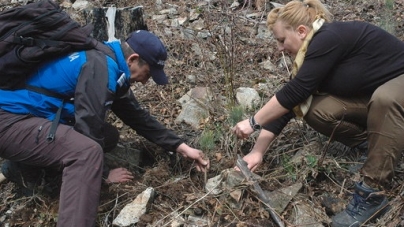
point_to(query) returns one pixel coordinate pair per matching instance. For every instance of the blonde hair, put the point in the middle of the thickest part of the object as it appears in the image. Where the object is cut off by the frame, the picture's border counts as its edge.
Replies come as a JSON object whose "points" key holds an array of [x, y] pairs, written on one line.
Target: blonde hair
{"points": [[296, 13]]}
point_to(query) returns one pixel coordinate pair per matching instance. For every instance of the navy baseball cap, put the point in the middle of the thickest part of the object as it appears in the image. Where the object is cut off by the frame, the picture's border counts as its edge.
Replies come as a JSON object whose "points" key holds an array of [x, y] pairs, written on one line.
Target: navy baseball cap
{"points": [[152, 50]]}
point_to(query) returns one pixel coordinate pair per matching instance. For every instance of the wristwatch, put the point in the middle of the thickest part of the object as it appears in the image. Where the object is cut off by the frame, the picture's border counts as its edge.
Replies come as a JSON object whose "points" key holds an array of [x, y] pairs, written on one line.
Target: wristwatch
{"points": [[254, 124]]}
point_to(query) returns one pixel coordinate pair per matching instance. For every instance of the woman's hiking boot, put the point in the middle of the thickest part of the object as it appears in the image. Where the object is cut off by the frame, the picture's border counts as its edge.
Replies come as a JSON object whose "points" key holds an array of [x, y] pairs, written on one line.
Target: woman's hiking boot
{"points": [[365, 205]]}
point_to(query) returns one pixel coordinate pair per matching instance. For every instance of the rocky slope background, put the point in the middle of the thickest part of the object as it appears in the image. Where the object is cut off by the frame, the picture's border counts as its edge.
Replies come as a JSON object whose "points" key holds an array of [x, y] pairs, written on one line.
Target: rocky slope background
{"points": [[223, 66]]}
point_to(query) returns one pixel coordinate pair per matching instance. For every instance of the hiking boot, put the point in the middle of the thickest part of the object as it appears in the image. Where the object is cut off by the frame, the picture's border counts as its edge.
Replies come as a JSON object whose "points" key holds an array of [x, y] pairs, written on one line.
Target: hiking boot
{"points": [[365, 204], [25, 176]]}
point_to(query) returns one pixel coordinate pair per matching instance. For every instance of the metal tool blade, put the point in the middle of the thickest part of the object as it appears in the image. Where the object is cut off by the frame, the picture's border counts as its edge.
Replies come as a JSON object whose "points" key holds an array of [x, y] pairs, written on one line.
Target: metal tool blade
{"points": [[242, 165]]}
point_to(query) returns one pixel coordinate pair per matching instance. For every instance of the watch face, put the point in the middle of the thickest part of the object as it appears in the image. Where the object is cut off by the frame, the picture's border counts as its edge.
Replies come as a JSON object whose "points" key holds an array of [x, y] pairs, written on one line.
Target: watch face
{"points": [[257, 127], [254, 125]]}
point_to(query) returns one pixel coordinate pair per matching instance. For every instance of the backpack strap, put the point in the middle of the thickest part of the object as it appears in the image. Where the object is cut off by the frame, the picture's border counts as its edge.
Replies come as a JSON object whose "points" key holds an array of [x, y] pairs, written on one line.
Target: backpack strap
{"points": [[105, 49], [48, 93], [52, 132], [51, 135]]}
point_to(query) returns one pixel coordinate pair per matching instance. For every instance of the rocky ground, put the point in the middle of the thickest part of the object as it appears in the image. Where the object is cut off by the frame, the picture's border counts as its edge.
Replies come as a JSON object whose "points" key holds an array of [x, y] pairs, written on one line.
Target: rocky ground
{"points": [[220, 45]]}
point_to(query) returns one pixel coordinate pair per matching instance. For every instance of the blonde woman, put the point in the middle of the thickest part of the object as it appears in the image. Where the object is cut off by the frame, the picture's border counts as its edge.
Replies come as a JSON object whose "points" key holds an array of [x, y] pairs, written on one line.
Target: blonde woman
{"points": [[347, 77]]}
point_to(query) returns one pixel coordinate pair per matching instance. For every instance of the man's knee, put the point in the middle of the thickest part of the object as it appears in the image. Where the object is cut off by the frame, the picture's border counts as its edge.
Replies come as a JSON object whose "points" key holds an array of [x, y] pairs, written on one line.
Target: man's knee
{"points": [[94, 154], [85, 151]]}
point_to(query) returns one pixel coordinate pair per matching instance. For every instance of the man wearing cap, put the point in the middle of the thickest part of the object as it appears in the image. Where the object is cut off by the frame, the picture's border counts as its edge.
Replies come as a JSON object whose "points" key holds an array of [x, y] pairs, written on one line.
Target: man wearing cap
{"points": [[91, 83]]}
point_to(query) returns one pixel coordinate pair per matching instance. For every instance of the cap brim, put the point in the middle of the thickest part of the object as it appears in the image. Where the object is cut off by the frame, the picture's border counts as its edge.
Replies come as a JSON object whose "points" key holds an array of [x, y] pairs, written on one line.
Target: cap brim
{"points": [[159, 76]]}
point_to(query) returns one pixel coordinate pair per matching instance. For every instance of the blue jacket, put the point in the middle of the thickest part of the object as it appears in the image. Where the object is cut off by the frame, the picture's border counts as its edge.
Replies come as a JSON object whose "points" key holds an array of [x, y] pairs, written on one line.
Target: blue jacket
{"points": [[97, 83], [60, 76]]}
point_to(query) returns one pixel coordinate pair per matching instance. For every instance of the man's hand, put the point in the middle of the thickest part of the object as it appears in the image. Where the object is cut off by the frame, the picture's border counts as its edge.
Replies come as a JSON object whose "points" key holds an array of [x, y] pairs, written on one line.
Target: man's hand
{"points": [[202, 163], [119, 175]]}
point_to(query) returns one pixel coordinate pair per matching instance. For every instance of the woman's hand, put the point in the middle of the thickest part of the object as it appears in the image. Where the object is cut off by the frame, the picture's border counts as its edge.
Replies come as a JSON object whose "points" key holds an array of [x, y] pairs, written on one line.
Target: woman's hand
{"points": [[253, 159], [243, 129]]}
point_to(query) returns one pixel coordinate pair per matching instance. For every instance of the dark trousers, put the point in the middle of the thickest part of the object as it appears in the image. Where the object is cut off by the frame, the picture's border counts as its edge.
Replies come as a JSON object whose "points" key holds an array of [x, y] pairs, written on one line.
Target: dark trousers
{"points": [[23, 140], [379, 119]]}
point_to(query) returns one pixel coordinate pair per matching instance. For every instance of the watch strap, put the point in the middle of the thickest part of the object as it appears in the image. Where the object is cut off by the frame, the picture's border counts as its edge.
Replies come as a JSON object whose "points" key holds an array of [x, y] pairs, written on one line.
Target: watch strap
{"points": [[254, 124]]}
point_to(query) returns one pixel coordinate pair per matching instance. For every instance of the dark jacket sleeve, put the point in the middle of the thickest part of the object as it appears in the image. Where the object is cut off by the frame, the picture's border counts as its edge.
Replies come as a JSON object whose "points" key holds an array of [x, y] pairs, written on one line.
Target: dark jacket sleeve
{"points": [[132, 114], [277, 126], [92, 97]]}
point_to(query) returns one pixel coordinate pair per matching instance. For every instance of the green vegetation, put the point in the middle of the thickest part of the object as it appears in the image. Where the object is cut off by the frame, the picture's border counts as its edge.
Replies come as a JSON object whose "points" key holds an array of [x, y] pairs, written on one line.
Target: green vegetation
{"points": [[387, 21]]}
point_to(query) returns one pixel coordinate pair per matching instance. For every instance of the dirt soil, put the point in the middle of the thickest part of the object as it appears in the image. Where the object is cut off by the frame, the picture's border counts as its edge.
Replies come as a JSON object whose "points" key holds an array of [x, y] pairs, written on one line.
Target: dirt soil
{"points": [[179, 187]]}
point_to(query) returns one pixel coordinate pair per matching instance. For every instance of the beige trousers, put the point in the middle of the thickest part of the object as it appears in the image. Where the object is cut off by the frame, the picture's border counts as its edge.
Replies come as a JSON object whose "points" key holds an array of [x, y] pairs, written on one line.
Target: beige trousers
{"points": [[378, 118]]}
